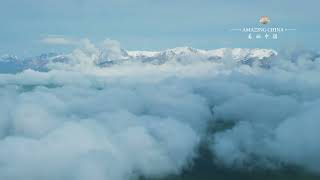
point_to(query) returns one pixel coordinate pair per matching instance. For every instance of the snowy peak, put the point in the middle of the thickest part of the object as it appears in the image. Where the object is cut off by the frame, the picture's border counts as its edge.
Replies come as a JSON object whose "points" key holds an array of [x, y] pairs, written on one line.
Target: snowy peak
{"points": [[136, 54], [8, 58], [182, 51], [238, 53], [174, 51]]}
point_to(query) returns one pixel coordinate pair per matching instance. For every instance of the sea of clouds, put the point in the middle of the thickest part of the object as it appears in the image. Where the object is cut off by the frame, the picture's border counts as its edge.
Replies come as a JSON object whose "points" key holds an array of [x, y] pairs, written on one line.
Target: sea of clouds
{"points": [[82, 122]]}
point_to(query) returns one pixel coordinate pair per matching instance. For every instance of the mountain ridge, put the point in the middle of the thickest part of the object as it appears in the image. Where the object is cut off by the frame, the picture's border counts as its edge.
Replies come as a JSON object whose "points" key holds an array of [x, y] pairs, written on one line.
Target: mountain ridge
{"points": [[108, 57]]}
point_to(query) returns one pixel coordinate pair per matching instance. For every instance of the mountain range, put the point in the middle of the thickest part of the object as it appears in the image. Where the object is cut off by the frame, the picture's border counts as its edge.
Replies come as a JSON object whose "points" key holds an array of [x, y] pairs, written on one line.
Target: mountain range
{"points": [[9, 63]]}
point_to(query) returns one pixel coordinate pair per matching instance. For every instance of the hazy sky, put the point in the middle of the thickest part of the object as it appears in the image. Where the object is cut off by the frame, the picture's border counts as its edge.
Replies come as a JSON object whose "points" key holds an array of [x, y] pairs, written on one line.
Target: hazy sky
{"points": [[154, 24]]}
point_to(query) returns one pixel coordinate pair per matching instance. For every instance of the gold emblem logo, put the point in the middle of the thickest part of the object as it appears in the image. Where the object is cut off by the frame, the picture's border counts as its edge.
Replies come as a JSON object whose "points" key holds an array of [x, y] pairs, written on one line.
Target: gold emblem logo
{"points": [[264, 20]]}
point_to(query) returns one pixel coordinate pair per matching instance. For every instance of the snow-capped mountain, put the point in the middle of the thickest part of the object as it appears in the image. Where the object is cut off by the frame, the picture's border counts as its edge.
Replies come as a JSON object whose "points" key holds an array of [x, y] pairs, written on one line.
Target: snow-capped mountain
{"points": [[182, 52], [8, 58], [187, 51], [39, 62], [176, 55], [187, 55]]}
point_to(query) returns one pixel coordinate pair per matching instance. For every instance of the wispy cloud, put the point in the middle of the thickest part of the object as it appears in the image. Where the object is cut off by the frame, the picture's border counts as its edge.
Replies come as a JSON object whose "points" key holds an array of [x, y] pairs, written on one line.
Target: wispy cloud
{"points": [[58, 40]]}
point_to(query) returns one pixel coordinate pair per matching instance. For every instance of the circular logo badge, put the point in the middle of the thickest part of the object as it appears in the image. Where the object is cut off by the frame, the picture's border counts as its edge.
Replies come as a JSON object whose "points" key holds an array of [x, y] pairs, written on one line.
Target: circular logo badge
{"points": [[264, 20]]}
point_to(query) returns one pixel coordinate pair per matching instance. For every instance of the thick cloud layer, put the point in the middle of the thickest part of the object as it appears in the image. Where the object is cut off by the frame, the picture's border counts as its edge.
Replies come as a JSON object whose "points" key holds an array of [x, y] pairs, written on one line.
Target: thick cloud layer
{"points": [[80, 121]]}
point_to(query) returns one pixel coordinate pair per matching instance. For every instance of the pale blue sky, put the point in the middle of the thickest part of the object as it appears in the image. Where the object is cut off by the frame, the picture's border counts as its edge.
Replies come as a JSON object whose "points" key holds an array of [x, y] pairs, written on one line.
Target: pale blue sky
{"points": [[153, 24]]}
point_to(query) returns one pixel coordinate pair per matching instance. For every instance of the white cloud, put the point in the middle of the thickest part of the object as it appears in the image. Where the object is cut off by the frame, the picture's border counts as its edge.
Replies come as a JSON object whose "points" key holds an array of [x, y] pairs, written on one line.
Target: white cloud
{"points": [[58, 40], [84, 122]]}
